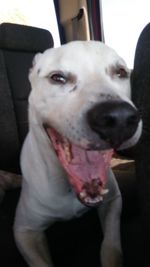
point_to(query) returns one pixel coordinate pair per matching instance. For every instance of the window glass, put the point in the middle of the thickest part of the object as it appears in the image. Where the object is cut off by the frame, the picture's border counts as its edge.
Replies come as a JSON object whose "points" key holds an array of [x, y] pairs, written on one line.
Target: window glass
{"points": [[123, 21], [39, 13]]}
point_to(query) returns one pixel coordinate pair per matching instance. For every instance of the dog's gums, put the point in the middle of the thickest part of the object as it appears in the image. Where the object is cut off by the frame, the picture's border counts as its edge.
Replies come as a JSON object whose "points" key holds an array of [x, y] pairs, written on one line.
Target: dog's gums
{"points": [[86, 169]]}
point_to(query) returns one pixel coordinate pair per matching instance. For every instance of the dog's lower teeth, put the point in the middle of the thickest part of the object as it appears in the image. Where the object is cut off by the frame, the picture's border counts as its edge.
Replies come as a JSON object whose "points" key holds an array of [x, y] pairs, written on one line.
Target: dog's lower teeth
{"points": [[100, 198], [89, 200], [104, 191], [83, 194]]}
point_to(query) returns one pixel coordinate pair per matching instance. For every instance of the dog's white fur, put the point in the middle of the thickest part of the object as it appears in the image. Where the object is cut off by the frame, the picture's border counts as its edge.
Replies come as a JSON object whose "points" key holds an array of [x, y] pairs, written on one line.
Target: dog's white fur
{"points": [[46, 195]]}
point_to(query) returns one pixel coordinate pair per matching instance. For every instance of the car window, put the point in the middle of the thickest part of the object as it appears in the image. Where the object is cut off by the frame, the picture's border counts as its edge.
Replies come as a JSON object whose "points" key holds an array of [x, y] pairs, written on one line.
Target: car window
{"points": [[39, 13], [123, 22]]}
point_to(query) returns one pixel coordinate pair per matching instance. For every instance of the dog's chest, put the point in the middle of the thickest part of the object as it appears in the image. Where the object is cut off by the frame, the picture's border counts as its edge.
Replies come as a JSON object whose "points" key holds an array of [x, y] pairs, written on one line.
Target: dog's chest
{"points": [[65, 207]]}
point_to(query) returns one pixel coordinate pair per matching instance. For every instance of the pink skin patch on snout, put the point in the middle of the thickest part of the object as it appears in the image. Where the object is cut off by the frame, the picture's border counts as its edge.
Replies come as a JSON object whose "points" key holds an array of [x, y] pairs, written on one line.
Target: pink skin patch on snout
{"points": [[87, 169]]}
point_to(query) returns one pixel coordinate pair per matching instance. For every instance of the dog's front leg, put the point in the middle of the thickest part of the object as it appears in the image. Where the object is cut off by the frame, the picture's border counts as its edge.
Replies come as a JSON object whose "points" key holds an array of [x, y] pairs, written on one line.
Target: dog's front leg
{"points": [[109, 213], [33, 246]]}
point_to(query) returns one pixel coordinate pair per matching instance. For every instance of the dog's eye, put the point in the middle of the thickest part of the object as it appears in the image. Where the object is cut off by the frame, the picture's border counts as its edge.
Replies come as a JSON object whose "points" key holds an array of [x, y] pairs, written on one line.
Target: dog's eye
{"points": [[121, 72], [58, 78]]}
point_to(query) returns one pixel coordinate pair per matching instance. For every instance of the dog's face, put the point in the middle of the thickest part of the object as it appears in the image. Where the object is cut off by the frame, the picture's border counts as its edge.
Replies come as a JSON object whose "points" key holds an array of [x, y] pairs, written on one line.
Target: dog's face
{"points": [[81, 96]]}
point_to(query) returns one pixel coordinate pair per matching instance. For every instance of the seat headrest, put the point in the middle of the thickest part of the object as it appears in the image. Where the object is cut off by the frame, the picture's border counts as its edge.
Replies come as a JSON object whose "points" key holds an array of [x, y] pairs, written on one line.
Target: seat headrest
{"points": [[24, 38]]}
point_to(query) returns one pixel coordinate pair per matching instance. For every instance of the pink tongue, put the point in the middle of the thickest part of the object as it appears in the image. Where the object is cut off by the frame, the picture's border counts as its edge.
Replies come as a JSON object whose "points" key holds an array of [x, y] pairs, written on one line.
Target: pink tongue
{"points": [[90, 165], [88, 170], [84, 167]]}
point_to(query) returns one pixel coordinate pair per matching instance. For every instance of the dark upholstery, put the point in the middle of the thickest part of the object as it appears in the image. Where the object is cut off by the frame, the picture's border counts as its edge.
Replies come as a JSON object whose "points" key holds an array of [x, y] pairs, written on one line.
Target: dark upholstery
{"points": [[141, 97], [24, 38], [18, 45]]}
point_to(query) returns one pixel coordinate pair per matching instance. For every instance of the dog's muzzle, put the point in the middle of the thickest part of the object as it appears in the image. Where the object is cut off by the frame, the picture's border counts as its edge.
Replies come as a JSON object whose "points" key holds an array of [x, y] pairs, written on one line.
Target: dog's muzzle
{"points": [[115, 121], [87, 169]]}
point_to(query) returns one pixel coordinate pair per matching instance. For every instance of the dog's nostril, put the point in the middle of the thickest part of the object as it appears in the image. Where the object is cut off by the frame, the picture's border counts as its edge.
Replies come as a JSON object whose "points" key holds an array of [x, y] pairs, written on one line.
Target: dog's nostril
{"points": [[133, 119], [114, 121], [108, 121]]}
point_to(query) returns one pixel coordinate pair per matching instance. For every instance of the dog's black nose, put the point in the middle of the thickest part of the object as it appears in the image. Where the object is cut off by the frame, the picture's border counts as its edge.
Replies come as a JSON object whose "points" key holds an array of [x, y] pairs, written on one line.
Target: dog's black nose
{"points": [[114, 121]]}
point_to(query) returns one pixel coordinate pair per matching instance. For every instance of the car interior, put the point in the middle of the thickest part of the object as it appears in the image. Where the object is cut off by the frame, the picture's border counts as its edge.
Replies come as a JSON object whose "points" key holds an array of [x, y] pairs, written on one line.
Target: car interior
{"points": [[75, 242]]}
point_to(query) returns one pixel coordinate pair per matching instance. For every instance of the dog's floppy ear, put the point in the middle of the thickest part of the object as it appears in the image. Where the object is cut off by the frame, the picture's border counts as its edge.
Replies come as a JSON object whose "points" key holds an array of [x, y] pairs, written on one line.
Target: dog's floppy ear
{"points": [[36, 58]]}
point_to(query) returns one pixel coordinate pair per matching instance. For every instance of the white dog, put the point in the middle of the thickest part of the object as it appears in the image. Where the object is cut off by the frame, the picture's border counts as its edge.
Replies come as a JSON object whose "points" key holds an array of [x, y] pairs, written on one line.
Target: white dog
{"points": [[79, 111]]}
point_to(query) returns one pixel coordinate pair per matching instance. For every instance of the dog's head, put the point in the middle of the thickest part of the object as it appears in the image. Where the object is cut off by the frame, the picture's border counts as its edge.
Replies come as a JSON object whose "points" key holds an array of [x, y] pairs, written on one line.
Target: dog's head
{"points": [[81, 97]]}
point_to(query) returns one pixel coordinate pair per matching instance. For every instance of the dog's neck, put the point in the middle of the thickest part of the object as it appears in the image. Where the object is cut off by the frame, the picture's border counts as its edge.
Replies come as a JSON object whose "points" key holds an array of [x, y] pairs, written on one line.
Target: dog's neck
{"points": [[45, 151], [52, 181]]}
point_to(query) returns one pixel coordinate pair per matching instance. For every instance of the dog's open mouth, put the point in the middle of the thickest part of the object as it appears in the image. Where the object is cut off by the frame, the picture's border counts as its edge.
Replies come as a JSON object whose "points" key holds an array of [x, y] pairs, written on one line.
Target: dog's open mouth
{"points": [[86, 169]]}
